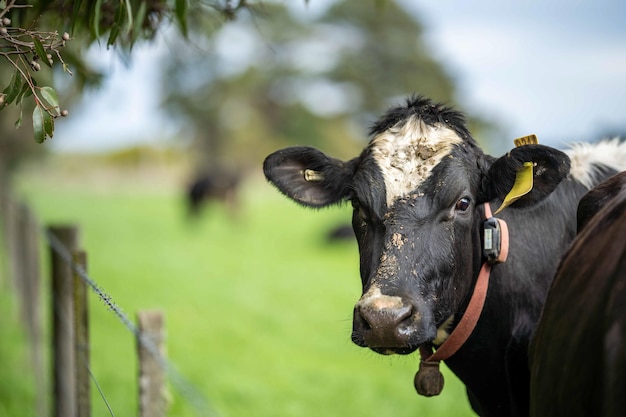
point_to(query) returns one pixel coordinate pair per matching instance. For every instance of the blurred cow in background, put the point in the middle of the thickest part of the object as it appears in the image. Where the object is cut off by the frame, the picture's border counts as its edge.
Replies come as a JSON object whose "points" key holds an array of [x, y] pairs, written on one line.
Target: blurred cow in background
{"points": [[578, 354], [217, 184]]}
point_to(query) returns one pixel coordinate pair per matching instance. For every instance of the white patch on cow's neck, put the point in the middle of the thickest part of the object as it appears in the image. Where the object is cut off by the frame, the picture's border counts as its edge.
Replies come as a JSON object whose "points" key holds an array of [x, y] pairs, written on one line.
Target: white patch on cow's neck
{"points": [[443, 331], [406, 154], [585, 156]]}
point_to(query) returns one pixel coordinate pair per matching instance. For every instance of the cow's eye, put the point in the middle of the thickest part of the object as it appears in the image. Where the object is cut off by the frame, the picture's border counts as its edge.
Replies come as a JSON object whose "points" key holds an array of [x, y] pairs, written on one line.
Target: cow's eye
{"points": [[463, 204]]}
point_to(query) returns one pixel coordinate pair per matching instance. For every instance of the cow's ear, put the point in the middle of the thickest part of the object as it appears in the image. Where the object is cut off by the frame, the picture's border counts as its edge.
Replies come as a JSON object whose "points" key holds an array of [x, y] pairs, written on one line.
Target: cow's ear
{"points": [[308, 176], [525, 175]]}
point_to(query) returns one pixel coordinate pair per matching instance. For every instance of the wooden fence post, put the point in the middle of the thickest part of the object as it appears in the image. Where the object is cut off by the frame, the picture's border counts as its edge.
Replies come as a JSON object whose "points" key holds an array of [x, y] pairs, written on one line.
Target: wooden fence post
{"points": [[64, 363], [152, 401], [9, 218], [81, 335], [27, 256], [5, 271], [29, 287]]}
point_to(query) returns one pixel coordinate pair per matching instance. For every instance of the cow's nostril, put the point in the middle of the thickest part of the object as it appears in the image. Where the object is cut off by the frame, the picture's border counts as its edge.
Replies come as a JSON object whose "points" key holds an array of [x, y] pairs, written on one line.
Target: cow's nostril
{"points": [[380, 318], [405, 313]]}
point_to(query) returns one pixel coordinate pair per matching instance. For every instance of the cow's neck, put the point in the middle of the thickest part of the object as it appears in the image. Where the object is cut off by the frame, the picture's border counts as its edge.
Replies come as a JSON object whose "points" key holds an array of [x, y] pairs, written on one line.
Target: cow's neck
{"points": [[428, 380]]}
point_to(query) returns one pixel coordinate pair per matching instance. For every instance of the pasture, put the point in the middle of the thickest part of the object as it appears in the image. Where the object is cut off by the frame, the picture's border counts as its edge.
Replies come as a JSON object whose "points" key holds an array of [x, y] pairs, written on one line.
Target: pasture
{"points": [[258, 307]]}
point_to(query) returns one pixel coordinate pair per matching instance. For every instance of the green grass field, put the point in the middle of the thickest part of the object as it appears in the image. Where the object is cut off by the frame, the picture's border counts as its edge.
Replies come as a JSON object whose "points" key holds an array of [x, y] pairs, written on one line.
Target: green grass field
{"points": [[258, 307]]}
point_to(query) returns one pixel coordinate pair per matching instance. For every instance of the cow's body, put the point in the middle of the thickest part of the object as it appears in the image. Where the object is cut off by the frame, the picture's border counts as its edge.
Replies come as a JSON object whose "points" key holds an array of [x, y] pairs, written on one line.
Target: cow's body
{"points": [[418, 191], [578, 354]]}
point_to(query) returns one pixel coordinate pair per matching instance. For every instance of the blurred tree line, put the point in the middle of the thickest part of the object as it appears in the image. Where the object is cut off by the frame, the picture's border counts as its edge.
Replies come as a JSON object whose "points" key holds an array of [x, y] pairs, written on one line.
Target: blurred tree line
{"points": [[281, 75], [245, 77]]}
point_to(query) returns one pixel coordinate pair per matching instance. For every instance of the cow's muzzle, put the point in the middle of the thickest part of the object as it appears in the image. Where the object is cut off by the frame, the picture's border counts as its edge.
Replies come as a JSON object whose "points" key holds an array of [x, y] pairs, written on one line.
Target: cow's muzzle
{"points": [[388, 325]]}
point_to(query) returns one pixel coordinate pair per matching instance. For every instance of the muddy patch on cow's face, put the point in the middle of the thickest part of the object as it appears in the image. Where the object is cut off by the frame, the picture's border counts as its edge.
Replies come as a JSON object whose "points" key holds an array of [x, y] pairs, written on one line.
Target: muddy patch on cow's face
{"points": [[397, 240], [407, 153], [388, 268]]}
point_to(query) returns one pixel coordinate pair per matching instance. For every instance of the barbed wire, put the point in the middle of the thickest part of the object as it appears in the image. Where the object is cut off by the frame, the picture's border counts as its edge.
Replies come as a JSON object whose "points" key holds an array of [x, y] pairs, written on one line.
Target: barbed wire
{"points": [[183, 386]]}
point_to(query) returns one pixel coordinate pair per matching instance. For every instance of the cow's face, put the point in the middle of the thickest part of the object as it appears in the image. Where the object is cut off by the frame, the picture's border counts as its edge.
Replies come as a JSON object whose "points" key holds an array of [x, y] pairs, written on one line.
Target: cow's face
{"points": [[414, 194], [416, 191]]}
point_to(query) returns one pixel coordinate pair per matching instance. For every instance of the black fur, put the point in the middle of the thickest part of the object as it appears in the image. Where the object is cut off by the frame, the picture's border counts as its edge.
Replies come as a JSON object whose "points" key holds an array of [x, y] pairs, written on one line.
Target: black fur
{"points": [[430, 112], [578, 354], [598, 197]]}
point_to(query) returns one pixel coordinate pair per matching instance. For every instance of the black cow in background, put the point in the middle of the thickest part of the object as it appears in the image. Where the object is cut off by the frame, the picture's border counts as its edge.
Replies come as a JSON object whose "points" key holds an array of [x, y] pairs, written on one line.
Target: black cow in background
{"points": [[217, 184], [578, 354], [419, 191]]}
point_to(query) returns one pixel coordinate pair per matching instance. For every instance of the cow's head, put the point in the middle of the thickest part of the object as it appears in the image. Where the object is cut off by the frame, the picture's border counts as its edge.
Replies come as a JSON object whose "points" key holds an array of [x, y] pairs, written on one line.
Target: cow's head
{"points": [[416, 190]]}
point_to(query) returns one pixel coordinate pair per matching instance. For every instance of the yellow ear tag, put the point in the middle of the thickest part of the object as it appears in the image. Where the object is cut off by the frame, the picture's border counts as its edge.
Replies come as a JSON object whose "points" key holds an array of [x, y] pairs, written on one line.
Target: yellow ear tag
{"points": [[526, 140], [522, 186]]}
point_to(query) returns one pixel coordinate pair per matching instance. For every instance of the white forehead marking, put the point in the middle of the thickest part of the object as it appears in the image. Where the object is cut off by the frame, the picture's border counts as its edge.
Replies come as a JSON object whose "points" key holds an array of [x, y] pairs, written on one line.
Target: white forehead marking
{"points": [[406, 154]]}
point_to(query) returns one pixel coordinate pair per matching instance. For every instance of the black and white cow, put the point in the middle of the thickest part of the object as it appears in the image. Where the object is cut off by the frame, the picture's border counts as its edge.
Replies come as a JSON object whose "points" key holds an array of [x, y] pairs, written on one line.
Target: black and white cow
{"points": [[578, 354], [418, 190]]}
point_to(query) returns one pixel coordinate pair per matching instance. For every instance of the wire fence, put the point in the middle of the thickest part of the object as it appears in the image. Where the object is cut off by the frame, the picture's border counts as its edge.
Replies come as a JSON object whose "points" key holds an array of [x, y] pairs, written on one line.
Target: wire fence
{"points": [[187, 390], [18, 226]]}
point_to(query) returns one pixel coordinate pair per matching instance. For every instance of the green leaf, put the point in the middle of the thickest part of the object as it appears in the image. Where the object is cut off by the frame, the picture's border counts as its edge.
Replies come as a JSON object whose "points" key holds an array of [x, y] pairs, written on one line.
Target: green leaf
{"points": [[41, 52], [51, 97], [18, 122], [48, 124], [138, 25], [117, 25], [129, 13], [95, 23], [181, 15], [24, 92], [13, 89], [75, 13], [43, 124], [40, 133]]}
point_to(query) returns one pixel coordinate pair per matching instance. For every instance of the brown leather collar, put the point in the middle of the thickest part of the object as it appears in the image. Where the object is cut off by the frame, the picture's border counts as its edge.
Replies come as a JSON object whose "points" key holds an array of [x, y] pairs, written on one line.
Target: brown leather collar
{"points": [[466, 325]]}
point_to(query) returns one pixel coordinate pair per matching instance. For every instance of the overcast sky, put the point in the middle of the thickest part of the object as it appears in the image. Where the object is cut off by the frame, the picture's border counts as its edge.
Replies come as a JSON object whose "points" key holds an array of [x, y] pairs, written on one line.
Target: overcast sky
{"points": [[556, 68]]}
